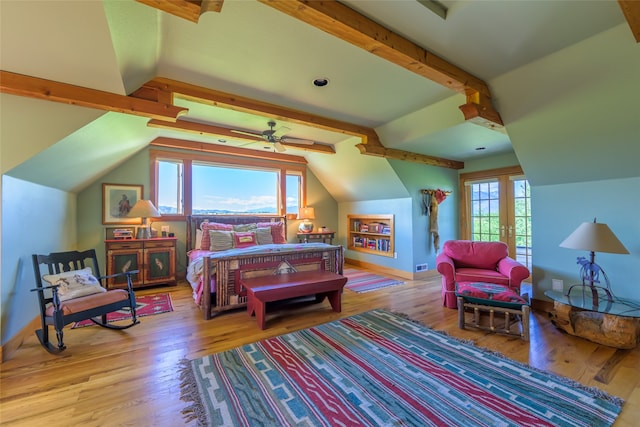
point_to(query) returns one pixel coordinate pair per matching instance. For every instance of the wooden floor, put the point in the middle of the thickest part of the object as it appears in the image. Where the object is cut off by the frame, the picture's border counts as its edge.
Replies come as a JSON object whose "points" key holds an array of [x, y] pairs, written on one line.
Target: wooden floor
{"points": [[130, 378]]}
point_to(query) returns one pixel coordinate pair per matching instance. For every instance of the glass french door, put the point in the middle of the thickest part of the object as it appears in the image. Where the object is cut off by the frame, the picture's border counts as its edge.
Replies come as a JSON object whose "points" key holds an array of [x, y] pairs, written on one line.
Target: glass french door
{"points": [[497, 207]]}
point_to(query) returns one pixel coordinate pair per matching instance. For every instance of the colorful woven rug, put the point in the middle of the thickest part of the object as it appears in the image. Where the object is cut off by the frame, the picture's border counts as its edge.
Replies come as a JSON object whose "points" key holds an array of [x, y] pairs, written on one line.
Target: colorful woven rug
{"points": [[381, 369], [362, 281], [146, 305]]}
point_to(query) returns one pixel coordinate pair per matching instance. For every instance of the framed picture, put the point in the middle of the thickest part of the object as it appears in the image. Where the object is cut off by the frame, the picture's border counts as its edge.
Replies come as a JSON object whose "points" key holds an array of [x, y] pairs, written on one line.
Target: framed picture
{"points": [[119, 233], [117, 201]]}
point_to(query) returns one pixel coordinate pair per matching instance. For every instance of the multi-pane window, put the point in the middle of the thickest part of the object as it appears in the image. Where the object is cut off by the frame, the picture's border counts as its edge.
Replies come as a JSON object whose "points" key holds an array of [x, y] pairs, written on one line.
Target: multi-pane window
{"points": [[485, 211], [198, 184]]}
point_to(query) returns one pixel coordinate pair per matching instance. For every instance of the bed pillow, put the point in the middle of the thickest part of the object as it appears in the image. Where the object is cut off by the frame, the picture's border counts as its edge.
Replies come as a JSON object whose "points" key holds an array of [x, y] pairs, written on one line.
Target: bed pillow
{"points": [[198, 243], [221, 240], [206, 226], [245, 227], [244, 239], [75, 283], [263, 235], [277, 231]]}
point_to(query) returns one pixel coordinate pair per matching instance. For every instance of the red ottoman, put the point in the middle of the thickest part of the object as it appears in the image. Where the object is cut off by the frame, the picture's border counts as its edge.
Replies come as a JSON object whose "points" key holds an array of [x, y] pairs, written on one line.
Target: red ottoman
{"points": [[481, 297]]}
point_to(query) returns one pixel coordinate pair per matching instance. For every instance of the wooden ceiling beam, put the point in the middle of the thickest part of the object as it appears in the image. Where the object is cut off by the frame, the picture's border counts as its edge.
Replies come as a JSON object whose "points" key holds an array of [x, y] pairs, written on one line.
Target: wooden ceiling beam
{"points": [[190, 10], [212, 130], [224, 149], [345, 23], [631, 11], [167, 89], [49, 90]]}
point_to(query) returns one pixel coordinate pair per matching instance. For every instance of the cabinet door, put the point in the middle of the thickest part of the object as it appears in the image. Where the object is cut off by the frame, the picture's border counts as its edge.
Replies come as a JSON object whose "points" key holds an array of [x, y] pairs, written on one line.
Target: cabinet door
{"points": [[123, 260], [160, 265]]}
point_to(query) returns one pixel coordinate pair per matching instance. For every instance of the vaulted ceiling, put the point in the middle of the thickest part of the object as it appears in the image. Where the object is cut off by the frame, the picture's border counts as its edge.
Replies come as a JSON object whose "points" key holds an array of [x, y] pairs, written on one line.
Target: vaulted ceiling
{"points": [[398, 73]]}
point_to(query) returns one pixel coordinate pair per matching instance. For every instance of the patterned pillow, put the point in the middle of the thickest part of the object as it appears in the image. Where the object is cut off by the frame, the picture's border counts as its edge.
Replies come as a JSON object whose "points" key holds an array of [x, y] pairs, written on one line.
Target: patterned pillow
{"points": [[75, 283], [206, 226], [244, 239], [263, 234], [489, 294], [221, 240], [277, 231]]}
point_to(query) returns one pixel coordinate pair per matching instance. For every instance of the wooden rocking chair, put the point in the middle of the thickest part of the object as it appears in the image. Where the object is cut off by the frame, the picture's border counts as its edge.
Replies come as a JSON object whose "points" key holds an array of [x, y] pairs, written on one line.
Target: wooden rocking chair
{"points": [[71, 290]]}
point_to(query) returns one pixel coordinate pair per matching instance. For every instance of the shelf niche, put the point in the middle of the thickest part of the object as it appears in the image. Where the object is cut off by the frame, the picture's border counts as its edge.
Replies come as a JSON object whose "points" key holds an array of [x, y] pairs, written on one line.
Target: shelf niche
{"points": [[372, 234]]}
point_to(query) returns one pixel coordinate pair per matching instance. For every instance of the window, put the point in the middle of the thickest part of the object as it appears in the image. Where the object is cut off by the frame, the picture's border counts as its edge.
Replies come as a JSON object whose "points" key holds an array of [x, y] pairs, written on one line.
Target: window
{"points": [[187, 183]]}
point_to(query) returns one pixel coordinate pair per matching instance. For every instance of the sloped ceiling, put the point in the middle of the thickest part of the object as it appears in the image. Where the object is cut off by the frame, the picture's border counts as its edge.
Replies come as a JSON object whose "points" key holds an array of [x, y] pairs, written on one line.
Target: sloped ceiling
{"points": [[252, 50]]}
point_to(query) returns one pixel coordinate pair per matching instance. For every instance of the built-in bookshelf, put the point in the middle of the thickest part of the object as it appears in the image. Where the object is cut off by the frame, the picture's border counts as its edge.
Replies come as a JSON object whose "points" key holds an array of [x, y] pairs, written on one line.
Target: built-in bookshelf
{"points": [[372, 234]]}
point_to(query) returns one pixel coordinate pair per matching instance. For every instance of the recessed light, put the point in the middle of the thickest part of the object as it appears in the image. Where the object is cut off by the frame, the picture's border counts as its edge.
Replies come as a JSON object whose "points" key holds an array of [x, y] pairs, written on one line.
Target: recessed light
{"points": [[222, 140], [321, 82], [481, 148]]}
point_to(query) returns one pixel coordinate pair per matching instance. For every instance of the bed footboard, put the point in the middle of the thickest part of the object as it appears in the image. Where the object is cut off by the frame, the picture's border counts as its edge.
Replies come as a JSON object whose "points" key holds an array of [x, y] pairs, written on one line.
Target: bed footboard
{"points": [[228, 272]]}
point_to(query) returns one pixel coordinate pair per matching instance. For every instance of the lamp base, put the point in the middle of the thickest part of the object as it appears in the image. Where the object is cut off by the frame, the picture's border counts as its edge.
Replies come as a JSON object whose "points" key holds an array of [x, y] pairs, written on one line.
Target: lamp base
{"points": [[305, 227], [143, 233]]}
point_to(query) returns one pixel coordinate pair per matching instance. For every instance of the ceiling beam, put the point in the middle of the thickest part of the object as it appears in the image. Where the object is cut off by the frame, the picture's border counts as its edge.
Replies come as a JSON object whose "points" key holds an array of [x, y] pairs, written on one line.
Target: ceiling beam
{"points": [[345, 23], [190, 10], [166, 89], [224, 149], [49, 90], [631, 11], [211, 130]]}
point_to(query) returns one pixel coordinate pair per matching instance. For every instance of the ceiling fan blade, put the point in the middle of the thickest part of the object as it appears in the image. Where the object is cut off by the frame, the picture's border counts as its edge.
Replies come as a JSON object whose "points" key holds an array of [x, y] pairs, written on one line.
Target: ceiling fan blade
{"points": [[244, 132], [281, 131], [293, 140], [279, 147]]}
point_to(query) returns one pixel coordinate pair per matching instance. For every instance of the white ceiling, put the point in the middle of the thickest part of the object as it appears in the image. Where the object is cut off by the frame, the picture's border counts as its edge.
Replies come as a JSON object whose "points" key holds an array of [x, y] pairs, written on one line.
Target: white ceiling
{"points": [[252, 50]]}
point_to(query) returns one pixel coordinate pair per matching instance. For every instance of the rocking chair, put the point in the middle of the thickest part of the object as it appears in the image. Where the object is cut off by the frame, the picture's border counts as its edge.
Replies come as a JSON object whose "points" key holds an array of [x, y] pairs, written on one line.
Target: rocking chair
{"points": [[69, 292]]}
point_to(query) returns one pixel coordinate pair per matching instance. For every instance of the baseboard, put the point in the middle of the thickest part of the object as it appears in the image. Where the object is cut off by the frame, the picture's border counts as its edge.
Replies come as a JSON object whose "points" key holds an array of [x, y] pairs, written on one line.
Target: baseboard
{"points": [[392, 271], [13, 344]]}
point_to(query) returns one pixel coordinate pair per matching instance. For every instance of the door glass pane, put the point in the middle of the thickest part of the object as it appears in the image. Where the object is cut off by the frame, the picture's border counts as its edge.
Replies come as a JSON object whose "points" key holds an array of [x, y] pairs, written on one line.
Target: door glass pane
{"points": [[522, 221], [485, 213]]}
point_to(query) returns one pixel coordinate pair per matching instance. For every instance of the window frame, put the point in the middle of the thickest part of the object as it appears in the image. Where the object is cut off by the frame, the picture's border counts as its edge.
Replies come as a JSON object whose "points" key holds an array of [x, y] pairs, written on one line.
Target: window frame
{"points": [[188, 158]]}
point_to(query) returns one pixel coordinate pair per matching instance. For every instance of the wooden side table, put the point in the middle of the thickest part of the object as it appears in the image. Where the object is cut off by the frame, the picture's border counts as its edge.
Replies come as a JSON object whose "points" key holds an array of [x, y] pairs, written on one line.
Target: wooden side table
{"points": [[316, 235], [155, 258]]}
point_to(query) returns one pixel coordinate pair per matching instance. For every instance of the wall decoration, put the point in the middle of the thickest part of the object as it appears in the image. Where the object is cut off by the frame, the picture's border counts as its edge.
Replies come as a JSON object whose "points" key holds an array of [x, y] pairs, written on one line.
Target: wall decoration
{"points": [[117, 201], [430, 200]]}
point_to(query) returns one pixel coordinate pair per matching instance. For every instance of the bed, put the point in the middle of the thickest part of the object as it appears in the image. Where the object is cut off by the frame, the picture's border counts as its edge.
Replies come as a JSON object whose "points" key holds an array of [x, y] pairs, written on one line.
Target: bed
{"points": [[245, 258]]}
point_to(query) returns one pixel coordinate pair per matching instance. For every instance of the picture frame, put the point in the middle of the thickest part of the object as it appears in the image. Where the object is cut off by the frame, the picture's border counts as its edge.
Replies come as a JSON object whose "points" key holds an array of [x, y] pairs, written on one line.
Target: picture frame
{"points": [[117, 200]]}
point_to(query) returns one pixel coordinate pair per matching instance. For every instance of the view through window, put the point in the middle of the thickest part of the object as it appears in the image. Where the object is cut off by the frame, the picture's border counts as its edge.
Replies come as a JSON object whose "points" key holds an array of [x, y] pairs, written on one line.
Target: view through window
{"points": [[184, 186]]}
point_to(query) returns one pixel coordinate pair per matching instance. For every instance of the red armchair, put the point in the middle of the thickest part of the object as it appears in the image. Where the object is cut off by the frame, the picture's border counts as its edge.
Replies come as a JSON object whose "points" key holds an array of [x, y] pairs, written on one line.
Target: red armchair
{"points": [[467, 261]]}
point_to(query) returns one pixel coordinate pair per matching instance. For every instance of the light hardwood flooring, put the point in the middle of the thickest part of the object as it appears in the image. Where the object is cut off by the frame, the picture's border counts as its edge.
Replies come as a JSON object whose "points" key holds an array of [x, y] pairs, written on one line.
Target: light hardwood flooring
{"points": [[130, 378]]}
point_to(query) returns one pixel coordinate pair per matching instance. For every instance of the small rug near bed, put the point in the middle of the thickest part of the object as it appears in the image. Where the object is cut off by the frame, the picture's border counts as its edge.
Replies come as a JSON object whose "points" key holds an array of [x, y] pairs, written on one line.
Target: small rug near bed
{"points": [[146, 305], [379, 368], [362, 281]]}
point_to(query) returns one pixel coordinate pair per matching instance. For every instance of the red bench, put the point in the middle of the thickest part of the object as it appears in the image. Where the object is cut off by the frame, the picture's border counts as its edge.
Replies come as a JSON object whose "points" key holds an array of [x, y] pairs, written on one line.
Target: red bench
{"points": [[264, 289]]}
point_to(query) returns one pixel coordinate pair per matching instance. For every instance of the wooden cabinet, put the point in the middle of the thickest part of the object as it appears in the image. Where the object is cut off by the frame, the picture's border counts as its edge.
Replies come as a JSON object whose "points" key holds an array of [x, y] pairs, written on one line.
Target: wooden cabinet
{"points": [[154, 258], [371, 234]]}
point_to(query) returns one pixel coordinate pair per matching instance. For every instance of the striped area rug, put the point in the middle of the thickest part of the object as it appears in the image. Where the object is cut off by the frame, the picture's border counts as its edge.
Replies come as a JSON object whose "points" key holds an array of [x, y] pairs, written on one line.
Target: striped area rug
{"points": [[381, 369], [362, 281]]}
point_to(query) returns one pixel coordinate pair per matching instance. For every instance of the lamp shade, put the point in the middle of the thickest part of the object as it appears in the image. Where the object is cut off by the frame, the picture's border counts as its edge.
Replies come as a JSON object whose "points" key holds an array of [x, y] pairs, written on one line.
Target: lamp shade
{"points": [[306, 213], [143, 209], [594, 237]]}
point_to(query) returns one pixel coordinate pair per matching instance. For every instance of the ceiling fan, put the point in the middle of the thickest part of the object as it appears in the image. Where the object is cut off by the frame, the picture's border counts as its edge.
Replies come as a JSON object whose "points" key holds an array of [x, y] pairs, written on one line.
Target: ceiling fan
{"points": [[276, 137]]}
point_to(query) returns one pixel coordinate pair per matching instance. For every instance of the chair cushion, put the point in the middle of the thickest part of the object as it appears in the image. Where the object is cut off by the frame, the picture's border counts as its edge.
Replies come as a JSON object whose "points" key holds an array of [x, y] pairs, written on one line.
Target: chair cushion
{"points": [[75, 283], [90, 301], [484, 255], [481, 275], [489, 294]]}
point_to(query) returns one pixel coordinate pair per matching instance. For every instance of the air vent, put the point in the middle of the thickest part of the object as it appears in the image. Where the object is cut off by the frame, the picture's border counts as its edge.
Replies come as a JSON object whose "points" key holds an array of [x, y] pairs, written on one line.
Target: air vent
{"points": [[422, 267]]}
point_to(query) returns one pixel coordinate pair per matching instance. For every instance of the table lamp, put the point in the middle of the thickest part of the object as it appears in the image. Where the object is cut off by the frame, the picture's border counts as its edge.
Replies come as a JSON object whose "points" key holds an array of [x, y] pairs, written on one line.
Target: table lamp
{"points": [[306, 214], [594, 237], [144, 209]]}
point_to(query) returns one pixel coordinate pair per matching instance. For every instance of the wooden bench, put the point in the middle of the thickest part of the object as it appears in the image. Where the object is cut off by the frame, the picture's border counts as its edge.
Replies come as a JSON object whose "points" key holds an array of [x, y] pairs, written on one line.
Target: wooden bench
{"points": [[264, 289]]}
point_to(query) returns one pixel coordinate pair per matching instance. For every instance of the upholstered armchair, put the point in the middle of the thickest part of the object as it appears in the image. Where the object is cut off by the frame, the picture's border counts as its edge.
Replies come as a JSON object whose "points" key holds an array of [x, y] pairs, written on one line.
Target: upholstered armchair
{"points": [[467, 261]]}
